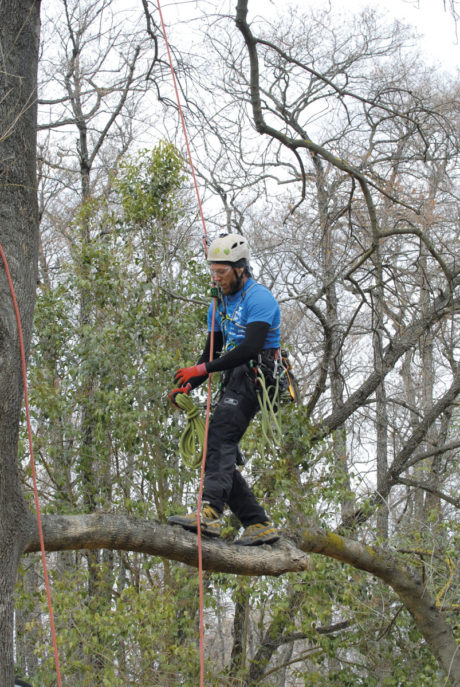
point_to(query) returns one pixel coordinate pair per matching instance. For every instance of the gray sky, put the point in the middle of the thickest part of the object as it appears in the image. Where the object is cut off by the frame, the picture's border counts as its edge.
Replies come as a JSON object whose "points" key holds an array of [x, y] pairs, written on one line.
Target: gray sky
{"points": [[438, 41], [436, 26]]}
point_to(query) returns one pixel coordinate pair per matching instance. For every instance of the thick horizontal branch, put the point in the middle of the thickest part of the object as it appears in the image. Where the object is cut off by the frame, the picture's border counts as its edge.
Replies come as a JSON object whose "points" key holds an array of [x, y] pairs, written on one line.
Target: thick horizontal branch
{"points": [[120, 532], [112, 531]]}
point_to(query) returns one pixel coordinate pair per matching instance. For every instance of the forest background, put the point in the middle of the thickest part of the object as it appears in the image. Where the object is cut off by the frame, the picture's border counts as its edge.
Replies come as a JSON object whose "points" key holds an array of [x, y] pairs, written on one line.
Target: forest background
{"points": [[327, 140]]}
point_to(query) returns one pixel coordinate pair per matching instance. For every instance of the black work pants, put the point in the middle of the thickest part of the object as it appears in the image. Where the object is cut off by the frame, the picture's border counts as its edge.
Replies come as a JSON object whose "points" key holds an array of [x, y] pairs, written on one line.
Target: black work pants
{"points": [[223, 482]]}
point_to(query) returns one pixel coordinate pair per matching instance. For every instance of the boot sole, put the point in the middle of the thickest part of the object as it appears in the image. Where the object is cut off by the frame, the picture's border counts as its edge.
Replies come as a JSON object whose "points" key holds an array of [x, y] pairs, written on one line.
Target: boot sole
{"points": [[257, 542], [192, 527]]}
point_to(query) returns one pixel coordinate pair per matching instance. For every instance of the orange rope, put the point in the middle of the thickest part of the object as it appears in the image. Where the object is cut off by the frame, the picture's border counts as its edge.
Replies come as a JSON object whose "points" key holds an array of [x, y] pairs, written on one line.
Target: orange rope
{"points": [[184, 128], [208, 403], [32, 464]]}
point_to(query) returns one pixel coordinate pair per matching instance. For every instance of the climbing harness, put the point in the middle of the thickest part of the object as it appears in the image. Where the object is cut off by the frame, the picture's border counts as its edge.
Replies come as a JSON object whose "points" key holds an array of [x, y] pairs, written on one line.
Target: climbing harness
{"points": [[32, 464], [275, 386]]}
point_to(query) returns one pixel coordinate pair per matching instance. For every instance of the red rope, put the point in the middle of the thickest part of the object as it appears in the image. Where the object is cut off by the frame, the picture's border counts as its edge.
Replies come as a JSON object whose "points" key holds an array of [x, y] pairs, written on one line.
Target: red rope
{"points": [[184, 128], [32, 464], [208, 403]]}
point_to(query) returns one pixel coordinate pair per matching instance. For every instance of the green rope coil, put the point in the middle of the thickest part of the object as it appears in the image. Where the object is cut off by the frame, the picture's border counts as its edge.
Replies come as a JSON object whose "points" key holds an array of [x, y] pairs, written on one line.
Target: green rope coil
{"points": [[269, 403], [192, 439]]}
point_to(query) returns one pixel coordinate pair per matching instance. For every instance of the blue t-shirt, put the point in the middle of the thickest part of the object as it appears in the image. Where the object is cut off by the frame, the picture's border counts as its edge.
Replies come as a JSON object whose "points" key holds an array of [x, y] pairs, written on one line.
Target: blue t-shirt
{"points": [[253, 303]]}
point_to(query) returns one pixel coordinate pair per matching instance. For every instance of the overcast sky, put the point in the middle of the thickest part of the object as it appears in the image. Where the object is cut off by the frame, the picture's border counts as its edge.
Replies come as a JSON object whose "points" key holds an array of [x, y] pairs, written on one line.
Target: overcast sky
{"points": [[439, 41]]}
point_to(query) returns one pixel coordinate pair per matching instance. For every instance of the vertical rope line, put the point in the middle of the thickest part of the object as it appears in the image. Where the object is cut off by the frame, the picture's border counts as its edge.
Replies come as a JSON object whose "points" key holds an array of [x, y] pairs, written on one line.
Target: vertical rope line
{"points": [[184, 127], [208, 403], [32, 464]]}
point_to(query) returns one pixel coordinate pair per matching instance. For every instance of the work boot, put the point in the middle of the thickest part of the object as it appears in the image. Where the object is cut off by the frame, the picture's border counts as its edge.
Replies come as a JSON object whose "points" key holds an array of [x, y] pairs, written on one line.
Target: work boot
{"points": [[260, 533], [210, 521]]}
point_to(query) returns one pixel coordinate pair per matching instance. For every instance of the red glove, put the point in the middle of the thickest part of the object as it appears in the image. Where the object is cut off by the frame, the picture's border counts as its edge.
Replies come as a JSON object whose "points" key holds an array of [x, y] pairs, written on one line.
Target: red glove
{"points": [[185, 374], [181, 390]]}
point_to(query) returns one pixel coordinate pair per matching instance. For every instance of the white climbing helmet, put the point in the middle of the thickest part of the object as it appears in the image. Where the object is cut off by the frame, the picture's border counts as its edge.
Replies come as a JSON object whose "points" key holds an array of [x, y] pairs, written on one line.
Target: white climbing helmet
{"points": [[229, 248]]}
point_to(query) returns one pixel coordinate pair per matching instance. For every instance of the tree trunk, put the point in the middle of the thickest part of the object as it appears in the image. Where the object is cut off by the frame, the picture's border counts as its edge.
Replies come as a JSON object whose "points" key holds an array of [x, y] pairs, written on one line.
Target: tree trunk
{"points": [[26, 638], [335, 344], [239, 631], [19, 26], [381, 420]]}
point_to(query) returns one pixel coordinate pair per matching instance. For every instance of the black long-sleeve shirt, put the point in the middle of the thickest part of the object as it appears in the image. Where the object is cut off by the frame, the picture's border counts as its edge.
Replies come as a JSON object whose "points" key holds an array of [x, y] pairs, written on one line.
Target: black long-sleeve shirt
{"points": [[248, 349]]}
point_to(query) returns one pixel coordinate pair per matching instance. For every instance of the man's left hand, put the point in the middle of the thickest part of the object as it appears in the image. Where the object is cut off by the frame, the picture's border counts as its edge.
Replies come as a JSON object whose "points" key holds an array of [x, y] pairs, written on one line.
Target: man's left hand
{"points": [[185, 374]]}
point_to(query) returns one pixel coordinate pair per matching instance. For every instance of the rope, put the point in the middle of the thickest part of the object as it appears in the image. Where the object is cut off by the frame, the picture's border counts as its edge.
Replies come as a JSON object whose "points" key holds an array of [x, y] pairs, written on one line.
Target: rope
{"points": [[271, 398], [184, 129], [269, 405], [208, 403], [192, 439], [32, 465]]}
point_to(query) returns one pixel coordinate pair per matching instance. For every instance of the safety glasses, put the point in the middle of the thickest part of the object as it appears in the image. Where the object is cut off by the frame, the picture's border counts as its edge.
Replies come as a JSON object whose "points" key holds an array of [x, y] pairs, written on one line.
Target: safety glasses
{"points": [[220, 271]]}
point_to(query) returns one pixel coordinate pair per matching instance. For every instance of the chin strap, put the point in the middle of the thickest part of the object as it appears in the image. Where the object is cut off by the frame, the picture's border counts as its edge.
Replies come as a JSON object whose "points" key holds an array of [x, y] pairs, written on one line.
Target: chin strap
{"points": [[239, 279]]}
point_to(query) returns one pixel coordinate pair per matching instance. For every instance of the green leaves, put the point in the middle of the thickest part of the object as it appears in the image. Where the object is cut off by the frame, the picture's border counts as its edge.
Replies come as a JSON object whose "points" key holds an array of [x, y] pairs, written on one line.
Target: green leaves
{"points": [[108, 337], [148, 185]]}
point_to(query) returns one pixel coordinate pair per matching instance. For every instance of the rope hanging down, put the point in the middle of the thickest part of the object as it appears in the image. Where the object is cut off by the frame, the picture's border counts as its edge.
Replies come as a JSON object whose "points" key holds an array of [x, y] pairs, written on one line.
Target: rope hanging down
{"points": [[192, 438], [32, 463], [208, 404], [269, 401]]}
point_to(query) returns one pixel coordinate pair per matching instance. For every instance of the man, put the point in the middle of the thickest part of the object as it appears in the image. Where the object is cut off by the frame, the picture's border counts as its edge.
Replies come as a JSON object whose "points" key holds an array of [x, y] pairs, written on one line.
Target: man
{"points": [[247, 328]]}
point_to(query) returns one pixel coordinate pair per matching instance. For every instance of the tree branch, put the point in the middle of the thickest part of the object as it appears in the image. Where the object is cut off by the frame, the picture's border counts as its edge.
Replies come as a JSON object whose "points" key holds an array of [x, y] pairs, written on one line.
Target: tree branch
{"points": [[431, 490], [393, 351], [293, 143], [120, 532]]}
